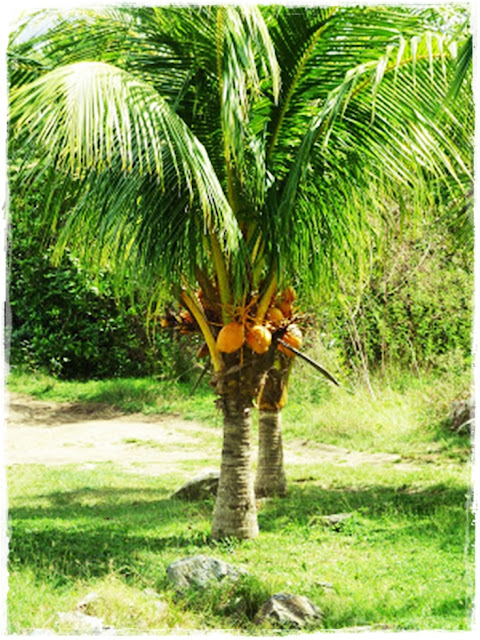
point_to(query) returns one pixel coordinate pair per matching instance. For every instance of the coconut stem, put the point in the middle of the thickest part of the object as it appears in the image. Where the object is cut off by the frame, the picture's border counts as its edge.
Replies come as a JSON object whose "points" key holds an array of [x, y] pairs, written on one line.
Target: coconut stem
{"points": [[197, 312], [266, 298]]}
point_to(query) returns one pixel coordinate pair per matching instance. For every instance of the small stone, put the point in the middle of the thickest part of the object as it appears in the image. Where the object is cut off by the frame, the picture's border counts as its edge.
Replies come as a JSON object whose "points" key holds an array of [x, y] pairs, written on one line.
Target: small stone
{"points": [[334, 520], [199, 488], [462, 415], [84, 604], [199, 571], [83, 623], [286, 610], [324, 585]]}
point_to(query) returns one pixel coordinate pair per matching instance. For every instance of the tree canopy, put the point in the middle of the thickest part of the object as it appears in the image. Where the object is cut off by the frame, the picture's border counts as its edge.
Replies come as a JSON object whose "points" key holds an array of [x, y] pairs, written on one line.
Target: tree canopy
{"points": [[266, 131]]}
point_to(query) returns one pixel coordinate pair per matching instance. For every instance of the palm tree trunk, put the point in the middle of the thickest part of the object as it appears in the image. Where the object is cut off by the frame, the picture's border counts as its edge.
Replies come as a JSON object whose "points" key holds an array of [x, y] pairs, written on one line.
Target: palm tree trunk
{"points": [[235, 513], [271, 479]]}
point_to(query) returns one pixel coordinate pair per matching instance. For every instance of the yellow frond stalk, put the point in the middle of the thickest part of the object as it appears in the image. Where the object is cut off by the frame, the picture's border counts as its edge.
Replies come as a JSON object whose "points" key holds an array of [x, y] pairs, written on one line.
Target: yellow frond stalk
{"points": [[266, 298], [197, 312]]}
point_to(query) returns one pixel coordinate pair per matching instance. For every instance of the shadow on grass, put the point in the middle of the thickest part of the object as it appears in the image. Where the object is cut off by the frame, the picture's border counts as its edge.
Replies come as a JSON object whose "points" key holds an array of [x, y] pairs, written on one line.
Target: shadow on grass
{"points": [[415, 512], [89, 532]]}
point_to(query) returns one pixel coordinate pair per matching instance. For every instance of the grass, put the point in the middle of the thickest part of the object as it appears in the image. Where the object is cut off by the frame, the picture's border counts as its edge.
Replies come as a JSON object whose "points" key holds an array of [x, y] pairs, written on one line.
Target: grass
{"points": [[146, 395], [403, 560]]}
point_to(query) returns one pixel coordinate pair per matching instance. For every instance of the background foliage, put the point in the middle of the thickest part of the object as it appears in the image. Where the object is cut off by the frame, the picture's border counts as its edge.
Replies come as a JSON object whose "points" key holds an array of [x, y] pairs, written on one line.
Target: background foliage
{"points": [[67, 323], [412, 310]]}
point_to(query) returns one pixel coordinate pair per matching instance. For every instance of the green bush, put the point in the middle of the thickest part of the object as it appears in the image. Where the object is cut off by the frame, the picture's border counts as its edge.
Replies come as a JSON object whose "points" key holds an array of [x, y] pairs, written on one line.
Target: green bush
{"points": [[414, 310], [70, 324]]}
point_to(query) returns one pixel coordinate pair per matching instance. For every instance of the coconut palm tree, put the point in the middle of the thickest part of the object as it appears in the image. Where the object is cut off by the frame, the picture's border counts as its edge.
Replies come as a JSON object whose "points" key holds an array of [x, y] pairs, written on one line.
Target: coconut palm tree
{"points": [[227, 153]]}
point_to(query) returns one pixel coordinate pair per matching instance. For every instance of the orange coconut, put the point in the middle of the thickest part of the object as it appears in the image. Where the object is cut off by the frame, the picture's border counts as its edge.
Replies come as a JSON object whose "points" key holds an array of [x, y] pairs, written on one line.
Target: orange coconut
{"points": [[231, 337], [259, 338], [293, 337], [285, 307], [275, 316]]}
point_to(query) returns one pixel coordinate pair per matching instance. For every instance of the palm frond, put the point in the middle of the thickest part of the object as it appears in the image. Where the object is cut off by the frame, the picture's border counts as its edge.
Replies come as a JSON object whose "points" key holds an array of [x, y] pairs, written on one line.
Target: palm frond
{"points": [[141, 185], [270, 128], [94, 114], [387, 117], [335, 42]]}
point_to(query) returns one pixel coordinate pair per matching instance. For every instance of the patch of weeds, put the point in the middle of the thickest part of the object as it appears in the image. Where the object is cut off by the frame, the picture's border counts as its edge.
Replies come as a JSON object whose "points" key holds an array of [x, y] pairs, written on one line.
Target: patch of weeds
{"points": [[229, 603]]}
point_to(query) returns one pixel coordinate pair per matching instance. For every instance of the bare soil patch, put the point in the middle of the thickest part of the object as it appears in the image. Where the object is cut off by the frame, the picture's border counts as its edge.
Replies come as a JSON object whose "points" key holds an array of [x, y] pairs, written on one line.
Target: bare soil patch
{"points": [[54, 433]]}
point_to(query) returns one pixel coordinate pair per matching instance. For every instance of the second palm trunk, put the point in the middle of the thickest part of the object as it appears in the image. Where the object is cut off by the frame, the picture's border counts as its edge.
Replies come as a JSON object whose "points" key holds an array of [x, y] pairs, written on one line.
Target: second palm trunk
{"points": [[271, 478]]}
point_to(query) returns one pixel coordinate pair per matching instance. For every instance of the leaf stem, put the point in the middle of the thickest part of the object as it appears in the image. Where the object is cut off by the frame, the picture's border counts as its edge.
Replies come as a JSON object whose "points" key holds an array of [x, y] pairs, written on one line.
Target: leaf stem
{"points": [[266, 298], [199, 315], [222, 277]]}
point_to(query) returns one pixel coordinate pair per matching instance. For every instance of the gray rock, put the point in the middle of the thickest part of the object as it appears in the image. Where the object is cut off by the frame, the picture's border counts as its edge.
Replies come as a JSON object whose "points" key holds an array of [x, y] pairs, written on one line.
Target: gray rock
{"points": [[461, 415], [200, 571], [324, 585], [334, 520], [202, 486], [286, 610], [82, 623], [85, 603]]}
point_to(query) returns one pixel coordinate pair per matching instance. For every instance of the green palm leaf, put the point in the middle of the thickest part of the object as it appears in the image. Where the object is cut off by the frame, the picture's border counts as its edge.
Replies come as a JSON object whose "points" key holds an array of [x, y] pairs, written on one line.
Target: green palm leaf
{"points": [[101, 118], [359, 88]]}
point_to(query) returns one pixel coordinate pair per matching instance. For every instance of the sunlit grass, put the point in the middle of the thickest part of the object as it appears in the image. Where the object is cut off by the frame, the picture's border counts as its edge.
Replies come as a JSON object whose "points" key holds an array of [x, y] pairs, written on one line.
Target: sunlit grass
{"points": [[402, 560], [399, 560], [147, 395]]}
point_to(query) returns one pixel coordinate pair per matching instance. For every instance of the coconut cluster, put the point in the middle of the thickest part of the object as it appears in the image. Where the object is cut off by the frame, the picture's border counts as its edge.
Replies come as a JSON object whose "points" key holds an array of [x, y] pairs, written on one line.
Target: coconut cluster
{"points": [[246, 328], [259, 336]]}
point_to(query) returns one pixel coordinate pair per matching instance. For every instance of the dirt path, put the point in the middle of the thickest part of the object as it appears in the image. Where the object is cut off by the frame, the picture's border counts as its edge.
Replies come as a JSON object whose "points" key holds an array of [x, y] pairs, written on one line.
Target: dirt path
{"points": [[53, 433]]}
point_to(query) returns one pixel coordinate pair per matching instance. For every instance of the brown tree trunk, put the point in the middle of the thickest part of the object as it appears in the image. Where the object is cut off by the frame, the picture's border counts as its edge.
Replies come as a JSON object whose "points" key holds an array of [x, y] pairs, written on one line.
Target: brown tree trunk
{"points": [[271, 479], [235, 512]]}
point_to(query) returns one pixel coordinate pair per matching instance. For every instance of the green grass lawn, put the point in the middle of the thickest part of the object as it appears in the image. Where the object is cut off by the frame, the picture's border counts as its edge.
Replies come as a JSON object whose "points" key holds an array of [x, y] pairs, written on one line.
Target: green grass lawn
{"points": [[403, 560]]}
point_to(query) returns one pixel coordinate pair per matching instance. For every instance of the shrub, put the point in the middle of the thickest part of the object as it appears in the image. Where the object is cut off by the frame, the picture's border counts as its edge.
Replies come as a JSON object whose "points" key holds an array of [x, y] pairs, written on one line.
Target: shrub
{"points": [[70, 324]]}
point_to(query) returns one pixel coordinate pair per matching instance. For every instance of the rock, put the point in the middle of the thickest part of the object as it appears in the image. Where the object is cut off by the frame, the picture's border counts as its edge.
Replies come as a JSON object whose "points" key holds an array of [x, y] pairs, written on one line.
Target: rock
{"points": [[324, 585], [461, 416], [334, 519], [286, 610], [84, 604], [199, 571], [82, 623], [202, 486]]}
